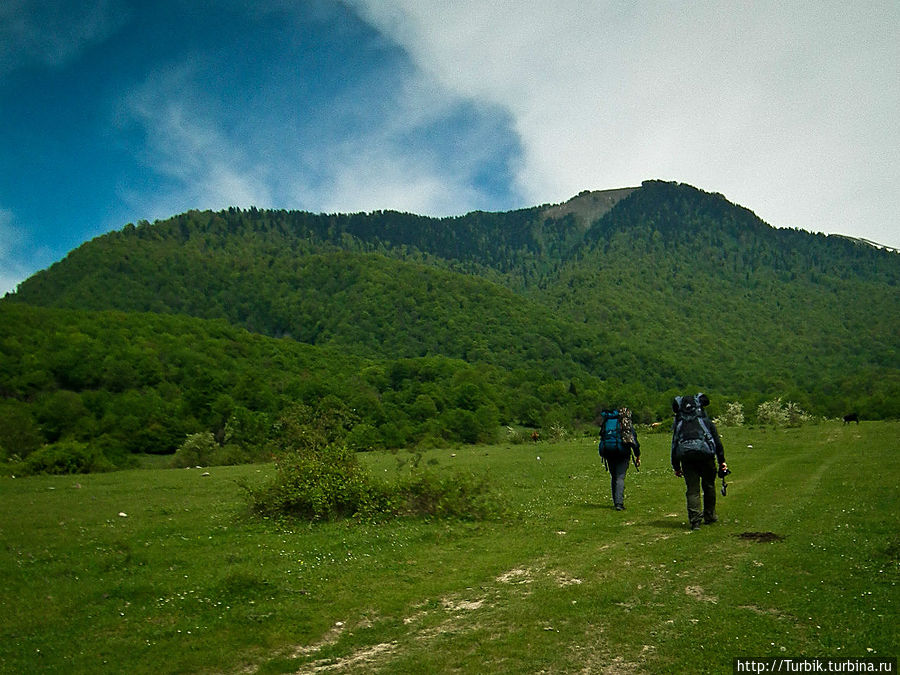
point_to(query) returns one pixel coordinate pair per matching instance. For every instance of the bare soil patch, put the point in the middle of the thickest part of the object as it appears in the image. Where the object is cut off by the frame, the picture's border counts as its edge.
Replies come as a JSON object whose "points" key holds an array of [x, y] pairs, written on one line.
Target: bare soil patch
{"points": [[761, 537]]}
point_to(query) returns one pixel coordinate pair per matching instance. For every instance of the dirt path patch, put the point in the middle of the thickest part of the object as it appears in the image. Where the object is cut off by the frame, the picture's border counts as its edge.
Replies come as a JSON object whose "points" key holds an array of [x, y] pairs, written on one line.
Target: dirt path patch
{"points": [[761, 537], [360, 656], [516, 576], [697, 592]]}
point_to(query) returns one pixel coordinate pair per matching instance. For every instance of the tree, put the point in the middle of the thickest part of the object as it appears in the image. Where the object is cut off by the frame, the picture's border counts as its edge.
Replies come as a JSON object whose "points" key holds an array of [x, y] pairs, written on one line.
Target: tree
{"points": [[60, 413], [19, 434]]}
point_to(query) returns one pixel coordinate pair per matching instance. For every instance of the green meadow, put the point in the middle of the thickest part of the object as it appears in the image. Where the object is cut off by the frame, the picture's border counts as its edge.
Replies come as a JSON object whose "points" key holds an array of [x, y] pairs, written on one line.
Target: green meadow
{"points": [[165, 571]]}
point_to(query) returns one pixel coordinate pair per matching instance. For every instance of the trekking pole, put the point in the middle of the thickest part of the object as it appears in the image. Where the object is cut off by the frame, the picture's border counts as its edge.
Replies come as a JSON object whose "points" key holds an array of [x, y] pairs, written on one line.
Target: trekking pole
{"points": [[724, 484], [634, 461]]}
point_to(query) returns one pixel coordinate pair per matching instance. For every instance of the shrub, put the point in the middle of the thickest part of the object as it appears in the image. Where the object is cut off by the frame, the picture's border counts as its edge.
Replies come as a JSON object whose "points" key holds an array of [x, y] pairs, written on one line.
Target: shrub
{"points": [[247, 429], [733, 415], [457, 495], [330, 485], [796, 416], [19, 434], [364, 437], [771, 412], [557, 433], [779, 414], [324, 484], [231, 454], [197, 450], [318, 477], [65, 457], [515, 436]]}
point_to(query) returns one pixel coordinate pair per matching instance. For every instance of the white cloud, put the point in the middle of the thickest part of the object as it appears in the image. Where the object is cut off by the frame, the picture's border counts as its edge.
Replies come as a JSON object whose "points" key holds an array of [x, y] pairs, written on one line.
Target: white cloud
{"points": [[383, 163], [788, 108], [371, 148], [204, 167]]}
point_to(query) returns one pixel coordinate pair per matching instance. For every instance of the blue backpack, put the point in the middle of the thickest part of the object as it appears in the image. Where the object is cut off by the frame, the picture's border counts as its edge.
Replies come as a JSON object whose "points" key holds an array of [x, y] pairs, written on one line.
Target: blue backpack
{"points": [[691, 436], [613, 443]]}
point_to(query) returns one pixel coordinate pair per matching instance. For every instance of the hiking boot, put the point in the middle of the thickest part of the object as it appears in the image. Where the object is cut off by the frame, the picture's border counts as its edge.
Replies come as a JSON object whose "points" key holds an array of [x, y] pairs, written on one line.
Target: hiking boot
{"points": [[620, 507], [695, 526], [710, 521]]}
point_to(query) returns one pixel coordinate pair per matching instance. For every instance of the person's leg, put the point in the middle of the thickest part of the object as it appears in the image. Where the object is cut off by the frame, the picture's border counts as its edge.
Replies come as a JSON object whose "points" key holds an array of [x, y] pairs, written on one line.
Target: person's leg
{"points": [[708, 482], [692, 493], [617, 470]]}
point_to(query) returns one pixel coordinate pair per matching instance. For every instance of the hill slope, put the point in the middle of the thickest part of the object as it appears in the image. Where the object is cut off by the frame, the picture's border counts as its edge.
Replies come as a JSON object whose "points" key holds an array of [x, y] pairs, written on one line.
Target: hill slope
{"points": [[140, 382], [632, 294], [683, 272], [687, 273]]}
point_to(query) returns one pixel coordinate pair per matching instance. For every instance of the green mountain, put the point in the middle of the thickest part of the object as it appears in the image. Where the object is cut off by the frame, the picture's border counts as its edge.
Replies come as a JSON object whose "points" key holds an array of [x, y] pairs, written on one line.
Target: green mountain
{"points": [[631, 294]]}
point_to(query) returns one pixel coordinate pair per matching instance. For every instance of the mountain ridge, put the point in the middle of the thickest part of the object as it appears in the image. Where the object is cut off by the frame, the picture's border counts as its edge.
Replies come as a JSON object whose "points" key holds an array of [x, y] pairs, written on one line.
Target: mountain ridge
{"points": [[589, 205]]}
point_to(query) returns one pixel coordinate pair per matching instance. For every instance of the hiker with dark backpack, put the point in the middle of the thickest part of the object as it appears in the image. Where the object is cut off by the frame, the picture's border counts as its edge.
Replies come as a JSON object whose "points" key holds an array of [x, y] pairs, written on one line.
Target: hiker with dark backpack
{"points": [[618, 443], [698, 455]]}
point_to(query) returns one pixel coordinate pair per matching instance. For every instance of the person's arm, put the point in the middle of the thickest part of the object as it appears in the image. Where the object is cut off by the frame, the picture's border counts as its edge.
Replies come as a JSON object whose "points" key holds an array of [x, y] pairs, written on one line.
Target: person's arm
{"points": [[676, 464], [720, 449]]}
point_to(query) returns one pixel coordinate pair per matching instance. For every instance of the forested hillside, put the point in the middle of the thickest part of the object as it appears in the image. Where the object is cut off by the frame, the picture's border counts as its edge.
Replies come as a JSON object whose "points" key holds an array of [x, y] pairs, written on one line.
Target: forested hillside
{"points": [[140, 382], [631, 295], [688, 275]]}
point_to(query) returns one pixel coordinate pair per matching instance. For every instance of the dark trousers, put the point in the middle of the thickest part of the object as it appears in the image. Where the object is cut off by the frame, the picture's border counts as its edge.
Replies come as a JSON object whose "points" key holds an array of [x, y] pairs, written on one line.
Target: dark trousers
{"points": [[700, 474], [617, 470]]}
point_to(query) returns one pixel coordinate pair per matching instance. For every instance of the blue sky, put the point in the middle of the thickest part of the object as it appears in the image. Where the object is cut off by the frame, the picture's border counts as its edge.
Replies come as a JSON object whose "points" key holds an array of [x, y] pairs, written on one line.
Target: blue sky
{"points": [[114, 111]]}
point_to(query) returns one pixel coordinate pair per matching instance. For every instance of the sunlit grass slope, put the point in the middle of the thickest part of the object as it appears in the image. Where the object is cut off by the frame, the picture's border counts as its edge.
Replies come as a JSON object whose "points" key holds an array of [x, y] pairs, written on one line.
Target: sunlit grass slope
{"points": [[160, 571]]}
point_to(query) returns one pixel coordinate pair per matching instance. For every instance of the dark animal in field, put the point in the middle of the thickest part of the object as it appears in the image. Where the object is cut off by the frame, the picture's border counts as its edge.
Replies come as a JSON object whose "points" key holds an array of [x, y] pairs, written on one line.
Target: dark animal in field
{"points": [[852, 417]]}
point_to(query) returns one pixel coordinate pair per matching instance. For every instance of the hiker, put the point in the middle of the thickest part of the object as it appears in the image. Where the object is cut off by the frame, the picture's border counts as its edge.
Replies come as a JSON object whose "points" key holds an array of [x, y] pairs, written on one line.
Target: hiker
{"points": [[618, 442], [698, 456]]}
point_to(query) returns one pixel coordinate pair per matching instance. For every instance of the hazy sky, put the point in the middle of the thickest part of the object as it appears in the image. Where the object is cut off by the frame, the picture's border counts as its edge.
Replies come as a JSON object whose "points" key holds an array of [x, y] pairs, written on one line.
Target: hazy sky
{"points": [[114, 111]]}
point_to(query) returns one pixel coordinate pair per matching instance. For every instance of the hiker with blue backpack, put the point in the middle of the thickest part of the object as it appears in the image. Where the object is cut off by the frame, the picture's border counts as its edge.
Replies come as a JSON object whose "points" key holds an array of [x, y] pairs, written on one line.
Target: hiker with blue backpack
{"points": [[698, 456], [618, 446]]}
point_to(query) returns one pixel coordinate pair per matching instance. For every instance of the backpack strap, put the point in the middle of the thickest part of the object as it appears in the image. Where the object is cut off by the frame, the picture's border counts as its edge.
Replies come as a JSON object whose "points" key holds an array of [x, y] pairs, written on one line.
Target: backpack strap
{"points": [[702, 419], [676, 429]]}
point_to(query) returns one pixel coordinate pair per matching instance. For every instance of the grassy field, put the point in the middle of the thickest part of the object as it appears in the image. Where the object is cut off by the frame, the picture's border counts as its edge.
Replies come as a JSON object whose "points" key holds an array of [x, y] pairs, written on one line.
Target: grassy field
{"points": [[162, 571]]}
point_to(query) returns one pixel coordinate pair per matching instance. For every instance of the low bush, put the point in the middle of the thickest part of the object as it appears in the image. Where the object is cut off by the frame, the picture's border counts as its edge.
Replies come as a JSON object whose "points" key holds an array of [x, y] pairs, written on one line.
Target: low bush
{"points": [[733, 415], [515, 436], [332, 485], [197, 450], [325, 484], [557, 433], [456, 495], [65, 457], [364, 437], [318, 477], [781, 414]]}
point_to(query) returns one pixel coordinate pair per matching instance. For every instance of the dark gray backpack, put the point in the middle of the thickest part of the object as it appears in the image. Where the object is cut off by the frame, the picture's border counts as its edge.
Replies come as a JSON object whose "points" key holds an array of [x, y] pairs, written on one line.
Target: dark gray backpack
{"points": [[691, 437]]}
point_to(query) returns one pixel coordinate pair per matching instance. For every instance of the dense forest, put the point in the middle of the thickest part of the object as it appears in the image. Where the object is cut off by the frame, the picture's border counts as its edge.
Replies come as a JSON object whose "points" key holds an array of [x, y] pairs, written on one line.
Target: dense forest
{"points": [[442, 330], [141, 382]]}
